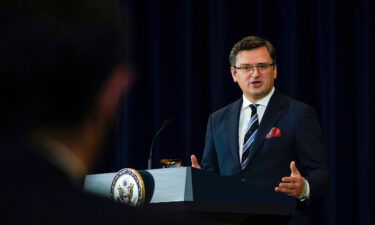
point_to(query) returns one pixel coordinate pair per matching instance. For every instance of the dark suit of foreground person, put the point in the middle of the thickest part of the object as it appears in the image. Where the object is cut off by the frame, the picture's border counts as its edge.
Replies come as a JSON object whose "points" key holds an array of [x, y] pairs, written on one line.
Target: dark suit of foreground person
{"points": [[287, 154], [63, 73]]}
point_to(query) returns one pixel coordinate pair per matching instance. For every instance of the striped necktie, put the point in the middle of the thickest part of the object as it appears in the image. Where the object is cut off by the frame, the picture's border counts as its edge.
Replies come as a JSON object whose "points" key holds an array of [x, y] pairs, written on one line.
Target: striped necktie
{"points": [[251, 132]]}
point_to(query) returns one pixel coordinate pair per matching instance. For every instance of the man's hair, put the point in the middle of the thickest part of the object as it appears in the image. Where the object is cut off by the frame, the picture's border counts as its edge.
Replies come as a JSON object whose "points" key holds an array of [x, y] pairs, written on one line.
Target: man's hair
{"points": [[54, 58], [249, 43]]}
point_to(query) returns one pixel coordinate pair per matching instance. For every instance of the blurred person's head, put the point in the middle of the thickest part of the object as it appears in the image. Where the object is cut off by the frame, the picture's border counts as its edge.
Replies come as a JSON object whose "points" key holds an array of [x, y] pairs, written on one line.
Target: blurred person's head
{"points": [[62, 66]]}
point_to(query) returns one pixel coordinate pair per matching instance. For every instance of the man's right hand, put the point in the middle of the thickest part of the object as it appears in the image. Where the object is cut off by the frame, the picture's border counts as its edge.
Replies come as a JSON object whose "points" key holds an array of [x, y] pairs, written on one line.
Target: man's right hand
{"points": [[194, 162]]}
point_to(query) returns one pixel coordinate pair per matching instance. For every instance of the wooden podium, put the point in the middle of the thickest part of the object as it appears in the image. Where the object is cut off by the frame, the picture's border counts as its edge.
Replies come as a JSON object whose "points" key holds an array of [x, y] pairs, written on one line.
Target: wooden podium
{"points": [[191, 190]]}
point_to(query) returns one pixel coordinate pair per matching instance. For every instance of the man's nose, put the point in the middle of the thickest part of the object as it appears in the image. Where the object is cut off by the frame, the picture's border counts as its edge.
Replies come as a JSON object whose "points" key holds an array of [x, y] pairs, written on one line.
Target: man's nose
{"points": [[255, 72]]}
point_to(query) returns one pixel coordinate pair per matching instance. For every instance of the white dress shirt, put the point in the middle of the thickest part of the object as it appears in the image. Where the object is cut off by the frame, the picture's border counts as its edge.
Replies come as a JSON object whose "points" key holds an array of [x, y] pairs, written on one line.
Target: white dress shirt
{"points": [[245, 116]]}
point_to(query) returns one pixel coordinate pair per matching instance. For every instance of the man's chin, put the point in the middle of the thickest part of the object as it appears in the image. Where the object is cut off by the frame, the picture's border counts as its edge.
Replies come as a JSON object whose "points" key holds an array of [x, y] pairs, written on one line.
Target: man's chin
{"points": [[257, 95]]}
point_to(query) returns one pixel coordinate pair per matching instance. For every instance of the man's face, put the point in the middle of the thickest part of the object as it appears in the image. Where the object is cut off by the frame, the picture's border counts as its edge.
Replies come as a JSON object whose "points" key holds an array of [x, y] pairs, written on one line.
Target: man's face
{"points": [[255, 84]]}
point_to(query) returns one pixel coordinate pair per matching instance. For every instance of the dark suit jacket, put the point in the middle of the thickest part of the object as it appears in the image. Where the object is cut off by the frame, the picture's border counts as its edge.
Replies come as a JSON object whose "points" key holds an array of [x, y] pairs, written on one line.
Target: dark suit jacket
{"points": [[301, 140]]}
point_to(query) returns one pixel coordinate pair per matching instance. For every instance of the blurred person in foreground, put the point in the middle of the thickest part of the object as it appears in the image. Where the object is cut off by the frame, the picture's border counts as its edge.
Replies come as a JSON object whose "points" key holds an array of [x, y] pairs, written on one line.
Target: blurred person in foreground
{"points": [[63, 67]]}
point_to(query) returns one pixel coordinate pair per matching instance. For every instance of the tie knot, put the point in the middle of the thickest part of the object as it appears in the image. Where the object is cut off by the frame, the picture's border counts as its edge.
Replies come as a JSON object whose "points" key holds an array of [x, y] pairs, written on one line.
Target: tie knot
{"points": [[253, 108]]}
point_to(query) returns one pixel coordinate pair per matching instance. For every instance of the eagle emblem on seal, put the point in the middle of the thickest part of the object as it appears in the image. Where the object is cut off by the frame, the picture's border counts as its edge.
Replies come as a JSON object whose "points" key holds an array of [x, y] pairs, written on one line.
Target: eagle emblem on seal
{"points": [[125, 194]]}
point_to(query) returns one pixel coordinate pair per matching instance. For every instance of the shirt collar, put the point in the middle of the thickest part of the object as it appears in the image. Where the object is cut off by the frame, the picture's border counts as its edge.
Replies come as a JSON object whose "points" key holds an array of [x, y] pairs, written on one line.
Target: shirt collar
{"points": [[263, 102]]}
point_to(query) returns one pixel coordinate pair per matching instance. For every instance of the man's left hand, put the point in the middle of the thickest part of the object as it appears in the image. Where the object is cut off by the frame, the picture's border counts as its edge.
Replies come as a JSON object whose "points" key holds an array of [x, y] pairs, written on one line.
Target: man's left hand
{"points": [[293, 185]]}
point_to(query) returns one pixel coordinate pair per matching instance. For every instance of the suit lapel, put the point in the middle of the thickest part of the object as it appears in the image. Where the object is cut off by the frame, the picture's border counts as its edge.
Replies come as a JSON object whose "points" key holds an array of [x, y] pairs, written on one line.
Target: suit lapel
{"points": [[274, 110], [232, 130]]}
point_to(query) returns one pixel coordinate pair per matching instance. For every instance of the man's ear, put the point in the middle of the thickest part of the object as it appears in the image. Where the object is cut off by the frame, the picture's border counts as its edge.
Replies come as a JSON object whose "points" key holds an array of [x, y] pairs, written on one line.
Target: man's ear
{"points": [[112, 91], [233, 71], [275, 71]]}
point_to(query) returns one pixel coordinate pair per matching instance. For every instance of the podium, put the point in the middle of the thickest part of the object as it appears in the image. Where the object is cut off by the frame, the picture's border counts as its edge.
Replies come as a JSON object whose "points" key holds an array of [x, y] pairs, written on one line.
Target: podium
{"points": [[191, 190]]}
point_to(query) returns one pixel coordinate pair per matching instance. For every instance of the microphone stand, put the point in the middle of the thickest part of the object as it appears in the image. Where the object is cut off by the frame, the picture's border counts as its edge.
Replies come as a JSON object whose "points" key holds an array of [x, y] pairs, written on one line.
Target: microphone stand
{"points": [[163, 126]]}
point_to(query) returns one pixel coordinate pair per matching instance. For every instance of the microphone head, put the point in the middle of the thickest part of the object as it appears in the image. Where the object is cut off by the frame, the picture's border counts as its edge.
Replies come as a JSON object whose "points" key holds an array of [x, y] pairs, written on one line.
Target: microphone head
{"points": [[167, 122]]}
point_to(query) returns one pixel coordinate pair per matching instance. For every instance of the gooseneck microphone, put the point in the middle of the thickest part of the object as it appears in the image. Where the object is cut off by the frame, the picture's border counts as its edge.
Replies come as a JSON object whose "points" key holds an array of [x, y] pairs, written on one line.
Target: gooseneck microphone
{"points": [[163, 126]]}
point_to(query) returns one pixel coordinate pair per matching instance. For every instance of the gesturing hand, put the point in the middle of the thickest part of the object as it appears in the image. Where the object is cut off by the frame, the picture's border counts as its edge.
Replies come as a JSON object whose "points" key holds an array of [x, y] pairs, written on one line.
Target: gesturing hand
{"points": [[194, 162], [293, 185]]}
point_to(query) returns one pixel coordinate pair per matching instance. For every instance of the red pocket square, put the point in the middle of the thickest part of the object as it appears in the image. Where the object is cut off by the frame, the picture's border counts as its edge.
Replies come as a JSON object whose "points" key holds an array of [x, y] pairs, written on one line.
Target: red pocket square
{"points": [[274, 132]]}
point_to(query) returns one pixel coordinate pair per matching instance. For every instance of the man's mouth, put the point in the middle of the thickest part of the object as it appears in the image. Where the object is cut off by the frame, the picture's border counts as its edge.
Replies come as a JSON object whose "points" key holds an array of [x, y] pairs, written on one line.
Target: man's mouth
{"points": [[256, 83]]}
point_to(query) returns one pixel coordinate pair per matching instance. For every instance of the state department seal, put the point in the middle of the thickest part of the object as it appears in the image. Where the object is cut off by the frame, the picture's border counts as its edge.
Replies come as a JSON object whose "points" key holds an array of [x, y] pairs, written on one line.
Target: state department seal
{"points": [[128, 187]]}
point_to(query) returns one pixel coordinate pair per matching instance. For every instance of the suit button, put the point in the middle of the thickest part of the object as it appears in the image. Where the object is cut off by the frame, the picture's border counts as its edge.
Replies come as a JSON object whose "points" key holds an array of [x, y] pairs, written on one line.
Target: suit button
{"points": [[243, 180]]}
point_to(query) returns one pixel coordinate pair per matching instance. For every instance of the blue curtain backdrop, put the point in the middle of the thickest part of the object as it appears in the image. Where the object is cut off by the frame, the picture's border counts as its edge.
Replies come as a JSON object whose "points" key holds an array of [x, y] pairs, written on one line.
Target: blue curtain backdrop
{"points": [[326, 59]]}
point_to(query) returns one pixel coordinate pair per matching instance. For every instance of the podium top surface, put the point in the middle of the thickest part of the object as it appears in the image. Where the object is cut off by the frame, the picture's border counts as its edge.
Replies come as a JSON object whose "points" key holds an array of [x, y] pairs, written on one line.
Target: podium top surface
{"points": [[191, 189]]}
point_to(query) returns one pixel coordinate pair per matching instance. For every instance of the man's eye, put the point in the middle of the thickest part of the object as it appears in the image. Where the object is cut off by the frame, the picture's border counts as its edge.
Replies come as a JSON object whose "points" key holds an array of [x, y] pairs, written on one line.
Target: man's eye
{"points": [[262, 67]]}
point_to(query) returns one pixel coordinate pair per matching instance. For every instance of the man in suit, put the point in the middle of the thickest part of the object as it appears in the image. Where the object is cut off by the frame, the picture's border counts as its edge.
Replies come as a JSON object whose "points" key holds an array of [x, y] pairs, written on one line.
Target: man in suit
{"points": [[265, 137]]}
